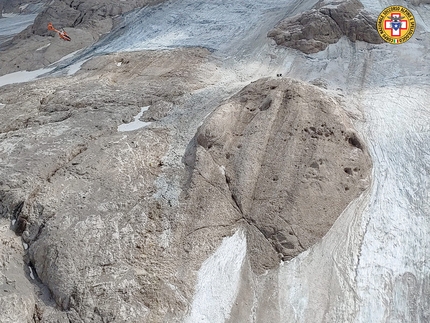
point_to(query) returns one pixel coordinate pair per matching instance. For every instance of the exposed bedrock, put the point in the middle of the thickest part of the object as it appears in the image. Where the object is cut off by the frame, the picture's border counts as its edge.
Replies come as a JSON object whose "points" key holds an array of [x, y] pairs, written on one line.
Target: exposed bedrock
{"points": [[82, 195], [282, 157], [116, 227], [312, 31]]}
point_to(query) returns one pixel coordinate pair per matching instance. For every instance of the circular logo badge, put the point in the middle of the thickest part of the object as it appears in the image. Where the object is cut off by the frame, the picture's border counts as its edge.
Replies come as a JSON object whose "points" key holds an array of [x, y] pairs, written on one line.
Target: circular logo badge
{"points": [[396, 24]]}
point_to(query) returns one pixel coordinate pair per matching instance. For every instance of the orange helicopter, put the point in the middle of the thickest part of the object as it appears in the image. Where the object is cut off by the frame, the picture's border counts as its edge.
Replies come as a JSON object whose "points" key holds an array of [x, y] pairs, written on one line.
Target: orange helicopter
{"points": [[63, 35]]}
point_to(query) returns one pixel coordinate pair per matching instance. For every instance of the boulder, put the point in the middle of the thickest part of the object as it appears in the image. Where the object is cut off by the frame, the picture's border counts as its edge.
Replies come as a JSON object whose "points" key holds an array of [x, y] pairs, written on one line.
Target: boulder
{"points": [[285, 159]]}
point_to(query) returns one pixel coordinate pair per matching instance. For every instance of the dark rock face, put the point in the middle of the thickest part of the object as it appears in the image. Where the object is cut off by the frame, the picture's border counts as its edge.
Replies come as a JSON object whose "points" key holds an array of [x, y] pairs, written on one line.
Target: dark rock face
{"points": [[312, 31], [290, 163], [20, 7], [15, 6]]}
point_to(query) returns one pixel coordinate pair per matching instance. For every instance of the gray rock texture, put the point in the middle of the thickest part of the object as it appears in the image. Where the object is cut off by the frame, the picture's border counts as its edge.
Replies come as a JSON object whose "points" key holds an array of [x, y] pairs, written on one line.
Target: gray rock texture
{"points": [[17, 297], [312, 31], [100, 225], [418, 2], [90, 14], [84, 21], [109, 236], [81, 193], [19, 6]]}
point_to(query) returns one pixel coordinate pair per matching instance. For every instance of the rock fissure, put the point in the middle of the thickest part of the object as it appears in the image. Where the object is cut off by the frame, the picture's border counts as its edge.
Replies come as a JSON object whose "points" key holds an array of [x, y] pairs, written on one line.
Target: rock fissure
{"points": [[74, 154]]}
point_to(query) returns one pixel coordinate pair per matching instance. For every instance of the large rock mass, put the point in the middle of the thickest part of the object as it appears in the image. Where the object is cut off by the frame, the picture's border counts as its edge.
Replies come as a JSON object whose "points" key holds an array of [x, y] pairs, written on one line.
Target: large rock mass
{"points": [[312, 31], [116, 225], [285, 160]]}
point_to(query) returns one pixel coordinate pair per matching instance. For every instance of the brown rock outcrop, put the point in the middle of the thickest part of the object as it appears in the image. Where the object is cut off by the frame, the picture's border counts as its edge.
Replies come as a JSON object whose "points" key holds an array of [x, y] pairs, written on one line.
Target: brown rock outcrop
{"points": [[287, 160], [312, 31]]}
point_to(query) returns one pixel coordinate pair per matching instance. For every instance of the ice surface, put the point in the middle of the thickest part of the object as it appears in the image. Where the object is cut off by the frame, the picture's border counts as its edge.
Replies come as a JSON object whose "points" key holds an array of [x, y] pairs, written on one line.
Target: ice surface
{"points": [[218, 282], [395, 251], [23, 76], [12, 24], [72, 69], [371, 266], [136, 124]]}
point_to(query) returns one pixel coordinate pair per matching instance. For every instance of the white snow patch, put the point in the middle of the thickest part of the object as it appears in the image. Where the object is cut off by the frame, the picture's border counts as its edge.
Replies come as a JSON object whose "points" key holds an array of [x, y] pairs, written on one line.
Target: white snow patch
{"points": [[23, 7], [76, 67], [13, 222], [222, 169], [31, 273], [136, 124], [218, 282], [67, 56], [12, 24], [9, 15], [22, 76], [27, 76], [43, 47], [119, 64], [25, 245]]}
